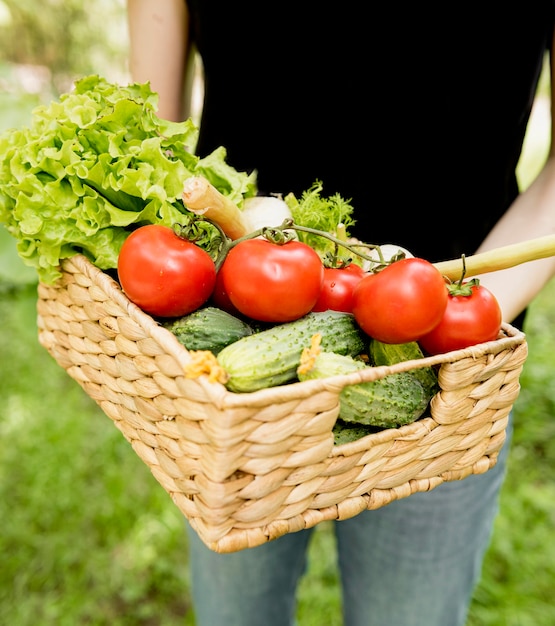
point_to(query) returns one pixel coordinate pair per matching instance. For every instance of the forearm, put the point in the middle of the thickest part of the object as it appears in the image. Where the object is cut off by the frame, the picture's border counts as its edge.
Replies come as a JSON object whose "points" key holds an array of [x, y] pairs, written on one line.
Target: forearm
{"points": [[532, 215], [158, 45]]}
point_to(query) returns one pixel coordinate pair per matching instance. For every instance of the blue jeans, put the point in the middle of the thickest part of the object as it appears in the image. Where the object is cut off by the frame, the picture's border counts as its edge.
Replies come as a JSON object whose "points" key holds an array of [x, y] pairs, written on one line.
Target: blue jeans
{"points": [[414, 562]]}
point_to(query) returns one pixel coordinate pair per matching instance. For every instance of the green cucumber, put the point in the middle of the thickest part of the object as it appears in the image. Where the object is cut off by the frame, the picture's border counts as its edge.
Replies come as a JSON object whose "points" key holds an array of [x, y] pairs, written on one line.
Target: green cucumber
{"points": [[343, 432], [208, 328], [389, 402], [271, 357], [389, 354]]}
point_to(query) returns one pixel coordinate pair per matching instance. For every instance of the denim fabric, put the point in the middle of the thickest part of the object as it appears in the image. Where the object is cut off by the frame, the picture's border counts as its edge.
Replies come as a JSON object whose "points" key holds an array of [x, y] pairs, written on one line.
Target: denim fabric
{"points": [[414, 562]]}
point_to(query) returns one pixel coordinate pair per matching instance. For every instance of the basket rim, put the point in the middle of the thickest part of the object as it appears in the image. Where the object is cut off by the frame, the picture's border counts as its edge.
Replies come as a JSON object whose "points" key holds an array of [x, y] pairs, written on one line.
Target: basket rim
{"points": [[509, 338]]}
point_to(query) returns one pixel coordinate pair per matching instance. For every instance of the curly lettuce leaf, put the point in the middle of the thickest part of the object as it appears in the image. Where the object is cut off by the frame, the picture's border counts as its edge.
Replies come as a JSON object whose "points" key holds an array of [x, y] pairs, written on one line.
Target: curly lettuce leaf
{"points": [[95, 165], [324, 213]]}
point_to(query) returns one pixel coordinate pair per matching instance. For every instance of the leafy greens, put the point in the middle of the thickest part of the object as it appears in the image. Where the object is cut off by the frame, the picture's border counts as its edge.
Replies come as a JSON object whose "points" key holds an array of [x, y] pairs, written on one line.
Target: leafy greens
{"points": [[95, 165], [330, 214]]}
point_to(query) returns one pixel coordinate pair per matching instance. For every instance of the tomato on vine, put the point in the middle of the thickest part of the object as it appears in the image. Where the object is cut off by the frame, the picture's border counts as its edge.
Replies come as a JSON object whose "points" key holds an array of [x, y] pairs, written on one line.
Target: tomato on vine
{"points": [[402, 302], [338, 288], [220, 299], [272, 282], [164, 274], [472, 316]]}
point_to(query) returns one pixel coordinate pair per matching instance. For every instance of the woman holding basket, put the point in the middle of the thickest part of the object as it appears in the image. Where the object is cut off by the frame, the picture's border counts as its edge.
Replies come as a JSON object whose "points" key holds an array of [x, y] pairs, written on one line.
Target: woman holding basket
{"points": [[418, 119]]}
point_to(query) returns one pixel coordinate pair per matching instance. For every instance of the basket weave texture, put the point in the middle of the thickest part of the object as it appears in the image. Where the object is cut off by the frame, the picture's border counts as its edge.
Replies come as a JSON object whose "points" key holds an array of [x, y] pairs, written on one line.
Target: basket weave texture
{"points": [[248, 468]]}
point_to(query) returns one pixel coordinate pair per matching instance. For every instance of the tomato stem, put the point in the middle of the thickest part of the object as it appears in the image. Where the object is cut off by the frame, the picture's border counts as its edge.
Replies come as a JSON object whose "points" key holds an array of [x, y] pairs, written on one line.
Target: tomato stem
{"points": [[463, 272], [460, 288], [354, 248], [280, 235]]}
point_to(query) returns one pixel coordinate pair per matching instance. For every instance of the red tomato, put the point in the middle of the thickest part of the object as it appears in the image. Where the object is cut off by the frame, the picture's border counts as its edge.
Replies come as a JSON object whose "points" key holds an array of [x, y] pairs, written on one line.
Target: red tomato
{"points": [[468, 320], [402, 302], [163, 274], [270, 282], [220, 299], [338, 287]]}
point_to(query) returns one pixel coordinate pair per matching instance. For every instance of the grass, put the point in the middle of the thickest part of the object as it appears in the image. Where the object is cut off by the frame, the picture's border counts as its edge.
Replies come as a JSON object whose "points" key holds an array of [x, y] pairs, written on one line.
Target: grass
{"points": [[87, 537]]}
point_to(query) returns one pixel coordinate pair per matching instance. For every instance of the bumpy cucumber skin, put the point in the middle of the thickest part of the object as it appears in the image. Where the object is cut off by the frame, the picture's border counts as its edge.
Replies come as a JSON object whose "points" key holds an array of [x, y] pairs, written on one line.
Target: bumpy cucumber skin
{"points": [[389, 354], [271, 357], [208, 328], [344, 432], [388, 402]]}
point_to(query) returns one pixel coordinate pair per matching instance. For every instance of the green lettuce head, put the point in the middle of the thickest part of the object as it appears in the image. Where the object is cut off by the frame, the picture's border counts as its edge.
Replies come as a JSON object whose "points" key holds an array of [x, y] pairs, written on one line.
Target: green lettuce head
{"points": [[95, 165]]}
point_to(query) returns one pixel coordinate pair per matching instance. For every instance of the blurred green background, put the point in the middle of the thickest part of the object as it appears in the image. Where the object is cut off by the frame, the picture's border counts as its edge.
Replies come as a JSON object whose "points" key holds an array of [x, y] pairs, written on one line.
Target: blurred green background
{"points": [[87, 536]]}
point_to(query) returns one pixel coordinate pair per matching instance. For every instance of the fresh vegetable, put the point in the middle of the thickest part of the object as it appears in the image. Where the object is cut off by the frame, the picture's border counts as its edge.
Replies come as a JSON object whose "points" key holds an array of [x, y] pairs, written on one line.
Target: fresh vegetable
{"points": [[391, 353], [220, 299], [329, 214], [256, 212], [208, 328], [95, 165], [265, 211], [381, 353], [271, 357], [205, 363], [164, 274], [338, 287], [498, 258], [472, 316], [402, 302], [272, 282], [202, 198], [344, 432], [388, 402]]}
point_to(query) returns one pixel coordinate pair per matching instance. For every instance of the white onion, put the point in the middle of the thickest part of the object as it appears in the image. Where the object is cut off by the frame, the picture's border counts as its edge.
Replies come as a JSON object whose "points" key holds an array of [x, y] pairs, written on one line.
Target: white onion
{"points": [[261, 211]]}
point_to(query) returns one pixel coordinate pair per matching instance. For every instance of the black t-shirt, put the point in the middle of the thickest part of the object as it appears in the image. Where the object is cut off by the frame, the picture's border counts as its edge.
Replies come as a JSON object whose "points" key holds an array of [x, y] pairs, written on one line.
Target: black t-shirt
{"points": [[415, 112]]}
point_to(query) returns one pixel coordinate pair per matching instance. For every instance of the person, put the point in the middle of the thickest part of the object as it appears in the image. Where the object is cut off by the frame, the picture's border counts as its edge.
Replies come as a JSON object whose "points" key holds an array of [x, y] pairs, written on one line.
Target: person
{"points": [[418, 118]]}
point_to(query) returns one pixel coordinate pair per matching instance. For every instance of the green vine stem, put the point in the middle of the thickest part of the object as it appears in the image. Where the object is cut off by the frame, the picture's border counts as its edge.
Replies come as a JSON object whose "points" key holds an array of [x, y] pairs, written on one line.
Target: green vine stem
{"points": [[468, 266], [283, 233]]}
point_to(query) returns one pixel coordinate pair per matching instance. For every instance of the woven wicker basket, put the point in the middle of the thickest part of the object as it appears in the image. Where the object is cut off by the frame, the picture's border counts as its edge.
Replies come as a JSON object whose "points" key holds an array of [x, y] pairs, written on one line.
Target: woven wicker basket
{"points": [[248, 468]]}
